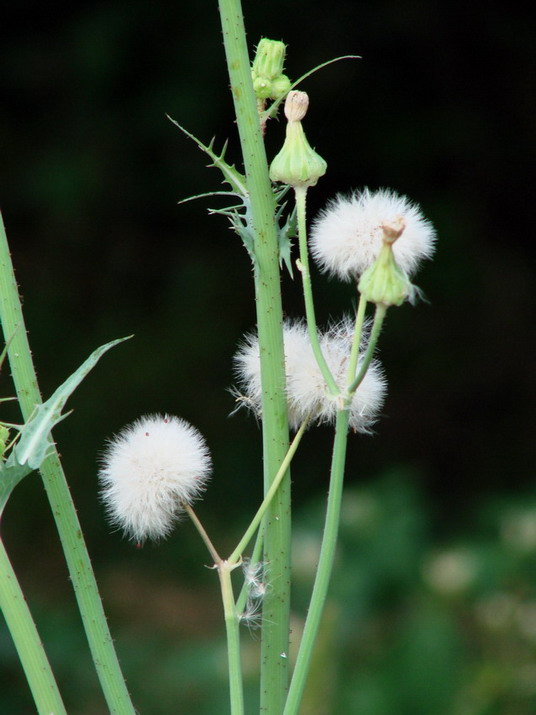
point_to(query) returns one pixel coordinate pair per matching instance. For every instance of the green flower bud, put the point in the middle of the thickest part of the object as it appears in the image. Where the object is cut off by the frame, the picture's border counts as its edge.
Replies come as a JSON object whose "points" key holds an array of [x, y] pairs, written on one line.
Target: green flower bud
{"points": [[262, 87], [297, 164], [385, 282], [280, 86], [269, 59]]}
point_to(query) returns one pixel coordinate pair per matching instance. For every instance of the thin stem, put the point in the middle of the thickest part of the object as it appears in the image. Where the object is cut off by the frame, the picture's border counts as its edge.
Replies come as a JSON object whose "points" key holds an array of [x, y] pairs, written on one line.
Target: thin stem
{"points": [[236, 556], [233, 639], [275, 633], [301, 193], [202, 532], [255, 557], [379, 317], [325, 566], [61, 504], [230, 612], [27, 642], [356, 344]]}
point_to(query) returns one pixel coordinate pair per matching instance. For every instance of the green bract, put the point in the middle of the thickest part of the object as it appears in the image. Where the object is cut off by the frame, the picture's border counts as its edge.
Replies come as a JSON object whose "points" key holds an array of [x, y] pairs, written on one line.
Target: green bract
{"points": [[297, 164], [269, 59], [385, 283], [269, 82]]}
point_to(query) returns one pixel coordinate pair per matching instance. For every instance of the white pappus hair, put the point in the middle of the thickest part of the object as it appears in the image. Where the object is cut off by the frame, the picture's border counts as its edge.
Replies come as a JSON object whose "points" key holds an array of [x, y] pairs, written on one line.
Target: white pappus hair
{"points": [[306, 390], [346, 237], [149, 470]]}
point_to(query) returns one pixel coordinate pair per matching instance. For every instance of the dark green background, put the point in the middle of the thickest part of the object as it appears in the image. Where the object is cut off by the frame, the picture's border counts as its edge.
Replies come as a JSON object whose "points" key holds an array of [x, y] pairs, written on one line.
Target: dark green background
{"points": [[440, 107]]}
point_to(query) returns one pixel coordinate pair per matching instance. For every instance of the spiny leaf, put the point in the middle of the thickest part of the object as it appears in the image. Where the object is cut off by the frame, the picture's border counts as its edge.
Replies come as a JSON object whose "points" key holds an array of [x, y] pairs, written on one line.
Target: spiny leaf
{"points": [[34, 441], [33, 444], [205, 195], [285, 232], [231, 175]]}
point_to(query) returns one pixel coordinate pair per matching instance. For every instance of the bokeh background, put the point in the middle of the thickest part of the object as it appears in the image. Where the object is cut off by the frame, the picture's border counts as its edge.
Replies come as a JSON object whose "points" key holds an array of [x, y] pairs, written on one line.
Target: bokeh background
{"points": [[433, 607]]}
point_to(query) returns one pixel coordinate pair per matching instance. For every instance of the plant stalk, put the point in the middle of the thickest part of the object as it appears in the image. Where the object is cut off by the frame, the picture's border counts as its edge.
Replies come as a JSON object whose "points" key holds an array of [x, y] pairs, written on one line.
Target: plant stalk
{"points": [[325, 566], [301, 193], [232, 627], [275, 633], [27, 642], [67, 523]]}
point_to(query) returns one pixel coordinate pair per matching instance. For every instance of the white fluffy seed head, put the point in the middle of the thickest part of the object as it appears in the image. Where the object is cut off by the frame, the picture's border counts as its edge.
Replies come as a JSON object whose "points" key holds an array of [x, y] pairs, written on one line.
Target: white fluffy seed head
{"points": [[149, 470], [307, 392], [346, 237]]}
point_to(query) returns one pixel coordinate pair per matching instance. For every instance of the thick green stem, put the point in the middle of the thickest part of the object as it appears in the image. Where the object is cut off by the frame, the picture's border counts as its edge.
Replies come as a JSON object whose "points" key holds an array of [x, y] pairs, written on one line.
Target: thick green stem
{"points": [[76, 555], [301, 193], [275, 634], [27, 642], [325, 566], [232, 627]]}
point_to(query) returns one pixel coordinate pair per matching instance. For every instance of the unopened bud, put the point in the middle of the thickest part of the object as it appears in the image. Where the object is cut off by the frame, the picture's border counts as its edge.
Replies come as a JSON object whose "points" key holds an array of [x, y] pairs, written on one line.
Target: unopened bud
{"points": [[280, 86], [385, 283], [296, 105], [269, 58], [262, 87], [297, 164]]}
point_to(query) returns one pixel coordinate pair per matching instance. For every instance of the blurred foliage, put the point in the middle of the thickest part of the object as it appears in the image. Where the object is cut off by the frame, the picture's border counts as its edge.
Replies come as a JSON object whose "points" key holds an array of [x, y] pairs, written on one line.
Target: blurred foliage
{"points": [[441, 108], [412, 626]]}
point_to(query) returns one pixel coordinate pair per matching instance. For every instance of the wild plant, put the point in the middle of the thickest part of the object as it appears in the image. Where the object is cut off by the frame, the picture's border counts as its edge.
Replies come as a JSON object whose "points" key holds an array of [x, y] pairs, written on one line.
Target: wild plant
{"points": [[291, 374]]}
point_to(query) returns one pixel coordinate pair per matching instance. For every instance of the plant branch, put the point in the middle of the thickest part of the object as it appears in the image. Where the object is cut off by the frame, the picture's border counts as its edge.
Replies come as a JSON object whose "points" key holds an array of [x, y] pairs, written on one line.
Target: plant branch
{"points": [[61, 504], [27, 642]]}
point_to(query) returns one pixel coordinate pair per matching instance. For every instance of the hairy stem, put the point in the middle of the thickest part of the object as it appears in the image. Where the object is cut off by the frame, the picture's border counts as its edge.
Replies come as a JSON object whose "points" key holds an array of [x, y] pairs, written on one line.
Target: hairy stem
{"points": [[27, 642], [76, 555], [275, 634]]}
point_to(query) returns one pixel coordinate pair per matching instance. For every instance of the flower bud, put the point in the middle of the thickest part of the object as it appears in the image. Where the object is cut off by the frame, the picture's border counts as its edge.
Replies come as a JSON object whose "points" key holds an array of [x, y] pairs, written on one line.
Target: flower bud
{"points": [[297, 164], [296, 105], [384, 282], [262, 87], [269, 59], [280, 86]]}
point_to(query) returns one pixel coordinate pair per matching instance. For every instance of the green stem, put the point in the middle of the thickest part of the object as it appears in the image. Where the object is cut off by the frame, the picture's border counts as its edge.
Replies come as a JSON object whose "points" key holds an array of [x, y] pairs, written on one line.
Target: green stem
{"points": [[275, 633], [76, 555], [232, 627], [356, 344], [236, 556], [379, 317], [202, 533], [325, 566], [27, 642], [301, 193]]}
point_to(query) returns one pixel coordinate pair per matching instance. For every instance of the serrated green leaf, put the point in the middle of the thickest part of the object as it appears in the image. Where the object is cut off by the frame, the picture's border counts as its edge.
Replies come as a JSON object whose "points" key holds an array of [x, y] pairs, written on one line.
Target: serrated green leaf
{"points": [[34, 442], [10, 476], [285, 234], [231, 175]]}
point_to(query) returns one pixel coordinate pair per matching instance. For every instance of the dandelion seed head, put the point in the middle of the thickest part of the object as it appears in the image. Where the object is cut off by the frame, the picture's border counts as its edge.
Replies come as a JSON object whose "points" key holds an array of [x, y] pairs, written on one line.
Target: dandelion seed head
{"points": [[347, 236], [306, 390], [148, 471]]}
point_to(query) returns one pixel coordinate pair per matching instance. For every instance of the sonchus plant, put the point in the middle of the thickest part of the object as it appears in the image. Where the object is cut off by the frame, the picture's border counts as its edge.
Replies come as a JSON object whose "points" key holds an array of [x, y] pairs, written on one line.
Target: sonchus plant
{"points": [[291, 374]]}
